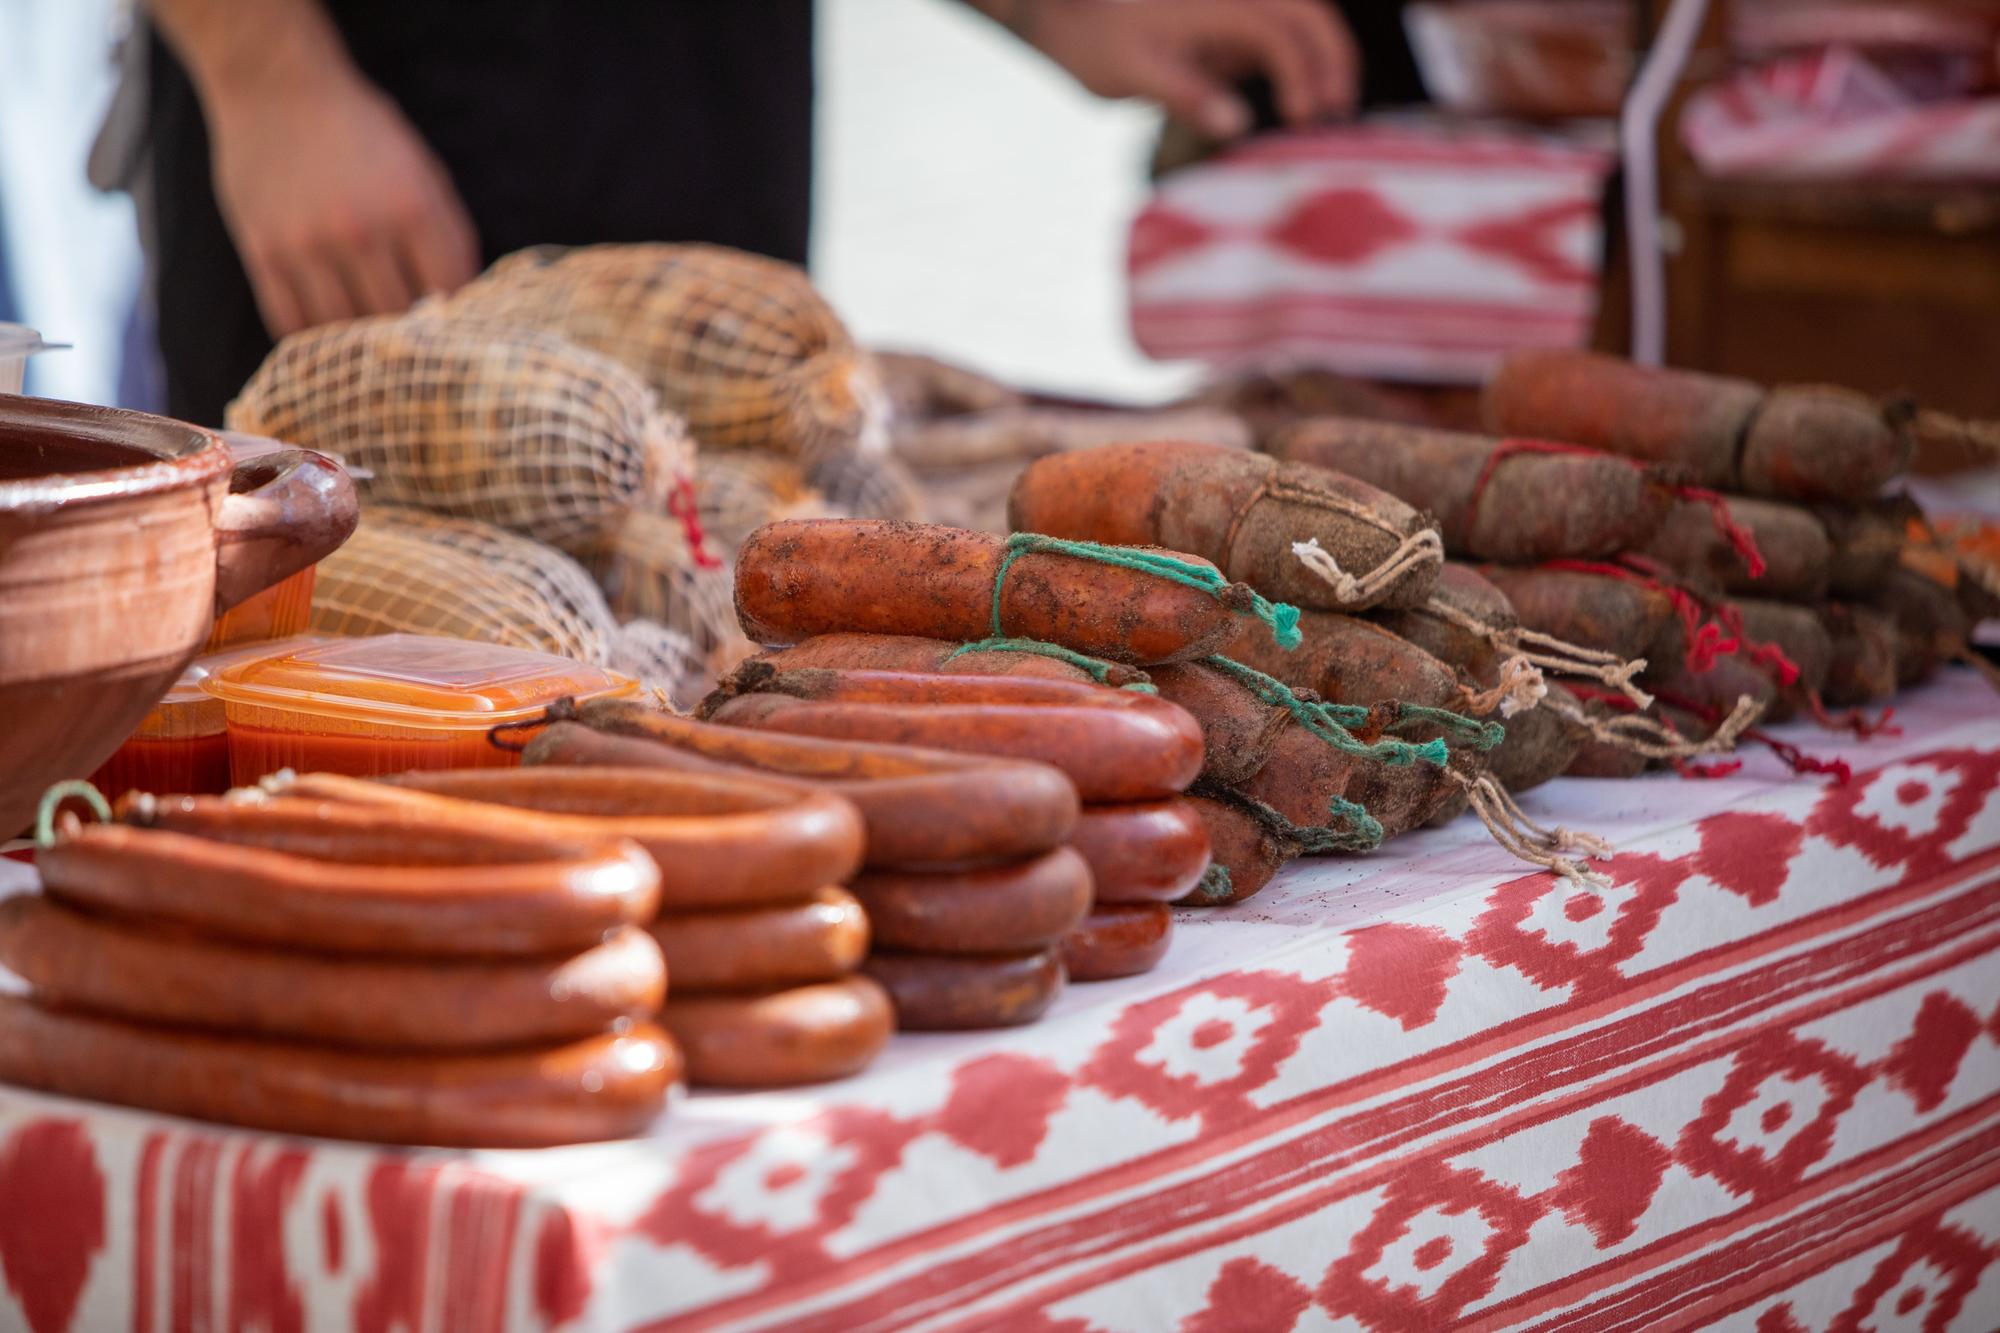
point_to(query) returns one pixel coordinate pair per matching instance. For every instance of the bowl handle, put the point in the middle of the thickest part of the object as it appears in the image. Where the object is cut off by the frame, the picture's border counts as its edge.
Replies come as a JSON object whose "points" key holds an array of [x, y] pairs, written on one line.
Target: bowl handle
{"points": [[284, 511]]}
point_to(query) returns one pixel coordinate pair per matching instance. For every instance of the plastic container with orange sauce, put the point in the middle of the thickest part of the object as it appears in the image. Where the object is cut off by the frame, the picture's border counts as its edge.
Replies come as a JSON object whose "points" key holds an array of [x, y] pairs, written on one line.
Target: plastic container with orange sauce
{"points": [[391, 703], [182, 746]]}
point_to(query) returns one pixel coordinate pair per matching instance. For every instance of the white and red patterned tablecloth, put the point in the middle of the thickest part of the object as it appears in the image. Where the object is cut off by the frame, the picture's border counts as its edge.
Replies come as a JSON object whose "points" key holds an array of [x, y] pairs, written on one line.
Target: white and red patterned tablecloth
{"points": [[1754, 1085]]}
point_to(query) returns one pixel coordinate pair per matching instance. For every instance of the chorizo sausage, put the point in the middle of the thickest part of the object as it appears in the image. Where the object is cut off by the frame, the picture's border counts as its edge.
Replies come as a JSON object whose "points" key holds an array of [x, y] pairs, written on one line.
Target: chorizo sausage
{"points": [[604, 1087], [805, 1034], [1347, 660], [1150, 853], [1115, 745], [1796, 550], [996, 909], [1243, 511], [352, 879], [720, 840], [959, 992], [921, 807], [820, 939], [802, 577], [1611, 615], [1118, 940], [1866, 646], [147, 972]]}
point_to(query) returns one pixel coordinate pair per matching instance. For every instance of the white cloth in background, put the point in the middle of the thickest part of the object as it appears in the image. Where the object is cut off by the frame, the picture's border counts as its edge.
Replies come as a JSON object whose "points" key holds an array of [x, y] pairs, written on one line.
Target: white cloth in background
{"points": [[72, 252]]}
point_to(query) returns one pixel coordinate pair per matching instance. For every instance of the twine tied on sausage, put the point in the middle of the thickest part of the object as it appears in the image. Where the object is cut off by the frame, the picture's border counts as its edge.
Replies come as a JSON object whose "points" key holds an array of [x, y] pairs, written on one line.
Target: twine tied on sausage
{"points": [[1336, 723], [1524, 839], [1420, 548], [1282, 619], [1545, 652], [1651, 738], [1350, 828], [1114, 674]]}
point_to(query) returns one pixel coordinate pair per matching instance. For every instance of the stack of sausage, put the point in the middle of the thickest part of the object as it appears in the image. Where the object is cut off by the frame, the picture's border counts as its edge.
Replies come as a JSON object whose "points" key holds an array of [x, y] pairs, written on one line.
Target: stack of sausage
{"points": [[762, 944], [393, 974], [1137, 847], [1730, 536], [902, 598], [976, 841]]}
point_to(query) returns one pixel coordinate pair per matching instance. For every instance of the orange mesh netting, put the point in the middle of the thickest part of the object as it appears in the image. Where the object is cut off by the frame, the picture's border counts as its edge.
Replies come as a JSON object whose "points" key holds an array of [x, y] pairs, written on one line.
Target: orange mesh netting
{"points": [[741, 346], [479, 421]]}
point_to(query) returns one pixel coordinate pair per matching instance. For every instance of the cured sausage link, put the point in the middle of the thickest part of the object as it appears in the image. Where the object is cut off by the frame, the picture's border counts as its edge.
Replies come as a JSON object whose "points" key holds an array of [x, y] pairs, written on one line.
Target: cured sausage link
{"points": [[606, 1087], [142, 972]]}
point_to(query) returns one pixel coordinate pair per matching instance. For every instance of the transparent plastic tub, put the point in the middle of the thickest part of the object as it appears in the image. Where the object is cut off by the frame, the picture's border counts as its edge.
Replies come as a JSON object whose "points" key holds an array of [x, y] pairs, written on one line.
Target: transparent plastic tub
{"points": [[18, 342]]}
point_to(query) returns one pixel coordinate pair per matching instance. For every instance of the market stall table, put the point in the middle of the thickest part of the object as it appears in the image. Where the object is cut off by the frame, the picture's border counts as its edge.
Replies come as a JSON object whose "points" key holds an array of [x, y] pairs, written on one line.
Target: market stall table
{"points": [[1753, 1084]]}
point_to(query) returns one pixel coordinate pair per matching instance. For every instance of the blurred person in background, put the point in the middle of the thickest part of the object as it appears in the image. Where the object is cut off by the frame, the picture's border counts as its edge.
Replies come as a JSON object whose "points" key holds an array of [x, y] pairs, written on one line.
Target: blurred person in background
{"points": [[318, 160]]}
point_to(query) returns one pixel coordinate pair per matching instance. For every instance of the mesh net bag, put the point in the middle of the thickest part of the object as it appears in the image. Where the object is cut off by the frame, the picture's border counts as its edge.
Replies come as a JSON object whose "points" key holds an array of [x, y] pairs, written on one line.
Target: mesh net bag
{"points": [[740, 491], [741, 346], [870, 486], [922, 387], [647, 572], [404, 570], [407, 571], [500, 424]]}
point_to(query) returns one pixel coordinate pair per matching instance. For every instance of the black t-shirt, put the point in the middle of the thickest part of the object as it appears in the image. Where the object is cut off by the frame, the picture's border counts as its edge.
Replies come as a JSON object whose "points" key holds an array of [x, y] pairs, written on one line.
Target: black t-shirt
{"points": [[560, 121]]}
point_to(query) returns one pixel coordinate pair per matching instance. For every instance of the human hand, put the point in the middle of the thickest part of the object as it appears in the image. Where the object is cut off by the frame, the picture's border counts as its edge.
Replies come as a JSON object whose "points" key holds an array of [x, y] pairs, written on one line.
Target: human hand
{"points": [[1187, 54], [337, 206]]}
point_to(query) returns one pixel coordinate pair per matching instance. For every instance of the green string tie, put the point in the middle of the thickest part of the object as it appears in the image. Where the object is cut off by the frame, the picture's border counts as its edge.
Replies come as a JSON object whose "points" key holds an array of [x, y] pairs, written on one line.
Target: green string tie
{"points": [[1283, 619], [1215, 887], [1481, 736], [1330, 722], [52, 799], [1099, 669]]}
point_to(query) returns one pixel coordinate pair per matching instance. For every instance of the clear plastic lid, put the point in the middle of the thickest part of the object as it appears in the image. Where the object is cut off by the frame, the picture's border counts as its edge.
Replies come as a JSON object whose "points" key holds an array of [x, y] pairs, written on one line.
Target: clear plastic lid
{"points": [[413, 680], [189, 710]]}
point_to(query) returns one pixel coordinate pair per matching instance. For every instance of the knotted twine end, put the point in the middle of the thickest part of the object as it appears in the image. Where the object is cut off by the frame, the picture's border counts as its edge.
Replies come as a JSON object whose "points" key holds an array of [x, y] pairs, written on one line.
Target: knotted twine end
{"points": [[52, 800], [1528, 841], [1518, 687], [1214, 890], [1419, 548]]}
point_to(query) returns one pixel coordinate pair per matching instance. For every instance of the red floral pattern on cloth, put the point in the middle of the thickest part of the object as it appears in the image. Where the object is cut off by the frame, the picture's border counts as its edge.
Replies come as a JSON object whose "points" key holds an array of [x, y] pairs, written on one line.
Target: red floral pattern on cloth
{"points": [[1752, 1084], [1397, 248]]}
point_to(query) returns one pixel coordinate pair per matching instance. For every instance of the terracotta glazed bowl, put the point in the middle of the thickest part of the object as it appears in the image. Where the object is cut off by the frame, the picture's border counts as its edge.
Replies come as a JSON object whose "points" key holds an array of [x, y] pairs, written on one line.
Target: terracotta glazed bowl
{"points": [[122, 537]]}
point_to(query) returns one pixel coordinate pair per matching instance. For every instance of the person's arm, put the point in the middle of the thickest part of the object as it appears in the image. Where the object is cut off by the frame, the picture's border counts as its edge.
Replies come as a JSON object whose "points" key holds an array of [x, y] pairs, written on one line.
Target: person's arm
{"points": [[1186, 54], [337, 206]]}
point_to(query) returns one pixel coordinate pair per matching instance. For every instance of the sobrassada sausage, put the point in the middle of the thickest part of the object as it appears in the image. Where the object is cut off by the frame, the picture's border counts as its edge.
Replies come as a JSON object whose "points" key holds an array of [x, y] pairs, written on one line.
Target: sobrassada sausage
{"points": [[1347, 660], [148, 972], [1244, 854], [907, 652], [782, 1038], [1115, 745], [1118, 940], [1153, 852], [1242, 511], [1796, 551], [921, 807], [822, 938], [1592, 610], [1500, 500], [720, 840], [955, 992], [352, 879], [994, 909], [605, 1087], [1237, 729], [802, 577]]}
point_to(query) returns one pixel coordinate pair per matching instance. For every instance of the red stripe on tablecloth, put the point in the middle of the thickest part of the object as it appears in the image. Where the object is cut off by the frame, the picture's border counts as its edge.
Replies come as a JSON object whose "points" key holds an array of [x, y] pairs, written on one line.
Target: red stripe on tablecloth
{"points": [[1453, 318], [1216, 1196], [1695, 1240], [193, 1237], [145, 1208], [1411, 1118], [1789, 1250], [1470, 1050]]}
